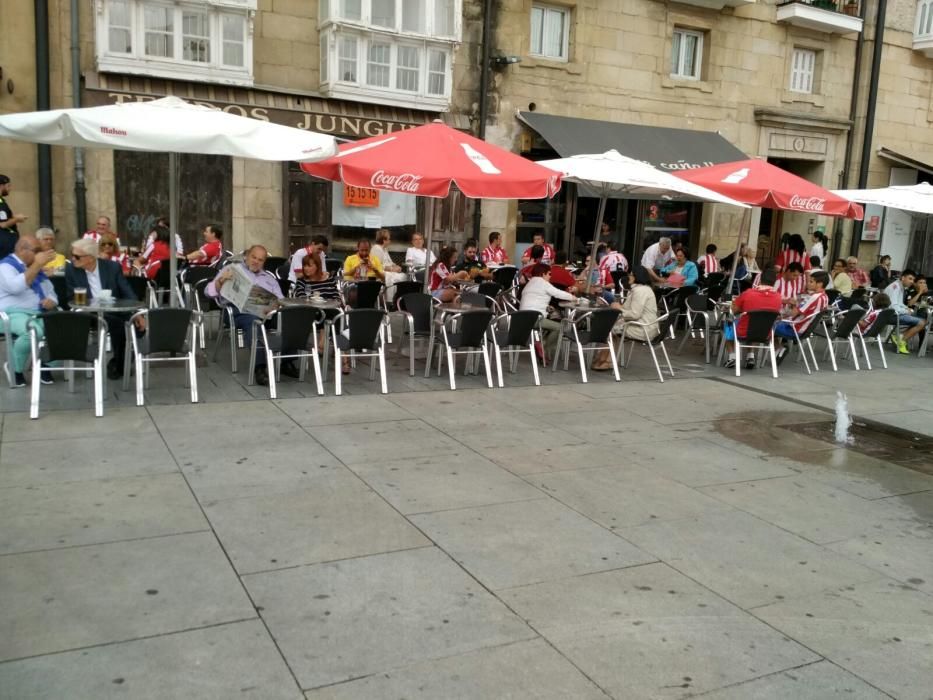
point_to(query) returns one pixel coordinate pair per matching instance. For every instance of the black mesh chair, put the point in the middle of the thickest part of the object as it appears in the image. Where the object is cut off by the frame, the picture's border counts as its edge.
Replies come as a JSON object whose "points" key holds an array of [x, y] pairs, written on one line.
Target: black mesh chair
{"points": [[489, 289], [140, 287], [296, 324], [61, 291], [366, 294], [273, 263], [803, 340], [515, 333], [285, 286], [416, 309], [879, 331], [69, 338], [333, 265], [169, 332], [226, 325], [714, 279], [206, 308], [505, 276], [699, 309], [758, 336], [160, 285], [360, 333], [283, 270], [839, 329], [664, 324], [399, 289], [476, 299], [590, 331], [469, 338], [191, 276]]}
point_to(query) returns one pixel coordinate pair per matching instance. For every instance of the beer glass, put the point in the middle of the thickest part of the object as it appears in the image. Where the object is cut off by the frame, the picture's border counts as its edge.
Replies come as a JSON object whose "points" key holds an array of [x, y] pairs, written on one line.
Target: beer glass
{"points": [[80, 296]]}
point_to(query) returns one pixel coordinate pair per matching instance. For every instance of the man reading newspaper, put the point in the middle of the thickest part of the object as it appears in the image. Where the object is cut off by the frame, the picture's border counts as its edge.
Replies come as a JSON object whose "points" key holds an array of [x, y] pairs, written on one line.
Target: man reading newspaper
{"points": [[254, 293]]}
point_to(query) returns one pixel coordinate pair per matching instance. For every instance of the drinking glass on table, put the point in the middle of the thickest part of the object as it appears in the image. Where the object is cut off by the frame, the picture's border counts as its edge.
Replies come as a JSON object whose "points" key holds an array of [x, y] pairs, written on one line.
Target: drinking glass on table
{"points": [[80, 297]]}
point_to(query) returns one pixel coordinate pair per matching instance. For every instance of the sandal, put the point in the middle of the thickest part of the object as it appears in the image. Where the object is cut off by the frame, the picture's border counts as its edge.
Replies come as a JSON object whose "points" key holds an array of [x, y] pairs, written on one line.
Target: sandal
{"points": [[601, 368], [346, 367]]}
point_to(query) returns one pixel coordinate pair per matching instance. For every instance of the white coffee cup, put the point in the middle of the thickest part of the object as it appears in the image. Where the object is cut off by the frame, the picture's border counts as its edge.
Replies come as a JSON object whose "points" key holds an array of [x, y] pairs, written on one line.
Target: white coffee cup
{"points": [[105, 295]]}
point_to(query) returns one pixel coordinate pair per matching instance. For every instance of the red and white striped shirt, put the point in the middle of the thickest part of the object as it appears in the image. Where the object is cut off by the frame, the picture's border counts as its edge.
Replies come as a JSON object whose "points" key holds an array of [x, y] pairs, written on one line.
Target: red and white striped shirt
{"points": [[94, 235], [611, 262], [497, 256], [211, 252], [809, 305], [710, 264], [438, 275], [787, 256], [790, 289], [547, 258]]}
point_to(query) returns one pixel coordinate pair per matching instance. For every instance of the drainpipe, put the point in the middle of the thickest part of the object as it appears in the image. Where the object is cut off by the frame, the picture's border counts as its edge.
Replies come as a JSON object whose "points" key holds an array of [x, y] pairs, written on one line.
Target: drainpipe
{"points": [[44, 151], [850, 136], [483, 99], [870, 114], [80, 190]]}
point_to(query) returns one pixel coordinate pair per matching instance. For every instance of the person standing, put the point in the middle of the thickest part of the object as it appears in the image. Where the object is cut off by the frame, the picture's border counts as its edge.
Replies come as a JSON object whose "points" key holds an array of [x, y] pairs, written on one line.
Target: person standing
{"points": [[9, 233], [317, 246], [656, 256]]}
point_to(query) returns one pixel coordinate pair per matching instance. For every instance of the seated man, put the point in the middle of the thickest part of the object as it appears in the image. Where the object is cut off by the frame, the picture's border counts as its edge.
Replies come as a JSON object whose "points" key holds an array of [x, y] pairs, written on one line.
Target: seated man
{"points": [[94, 274], [897, 293], [253, 265], [362, 265], [46, 237], [494, 253], [561, 277], [814, 301], [858, 276], [210, 252], [709, 263], [535, 257], [763, 297], [547, 256], [317, 246], [471, 264], [791, 283], [24, 292]]}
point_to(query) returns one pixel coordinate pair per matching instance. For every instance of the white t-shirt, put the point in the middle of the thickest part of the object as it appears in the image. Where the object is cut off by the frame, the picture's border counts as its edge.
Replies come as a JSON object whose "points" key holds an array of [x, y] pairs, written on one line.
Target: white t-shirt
{"points": [[537, 295], [654, 259], [297, 260], [416, 256]]}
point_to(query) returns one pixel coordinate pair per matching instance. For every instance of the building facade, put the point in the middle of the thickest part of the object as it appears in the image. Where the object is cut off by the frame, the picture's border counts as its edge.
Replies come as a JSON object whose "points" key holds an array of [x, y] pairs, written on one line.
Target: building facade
{"points": [[677, 84]]}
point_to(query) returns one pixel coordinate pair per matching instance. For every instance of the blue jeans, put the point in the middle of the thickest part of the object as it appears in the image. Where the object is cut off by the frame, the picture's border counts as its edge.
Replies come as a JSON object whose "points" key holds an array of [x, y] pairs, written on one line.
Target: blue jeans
{"points": [[244, 322]]}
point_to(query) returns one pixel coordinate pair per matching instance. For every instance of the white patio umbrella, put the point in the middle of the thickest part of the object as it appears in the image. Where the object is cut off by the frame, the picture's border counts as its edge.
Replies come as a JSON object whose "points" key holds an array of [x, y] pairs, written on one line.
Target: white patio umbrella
{"points": [[915, 198], [168, 125], [611, 174]]}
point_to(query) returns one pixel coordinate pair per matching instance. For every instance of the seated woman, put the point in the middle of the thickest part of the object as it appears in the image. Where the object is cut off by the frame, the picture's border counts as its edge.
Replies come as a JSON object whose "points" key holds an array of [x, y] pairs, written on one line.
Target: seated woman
{"points": [[640, 306], [686, 270], [314, 281], [443, 281], [393, 273], [842, 283], [536, 296], [150, 262], [110, 250]]}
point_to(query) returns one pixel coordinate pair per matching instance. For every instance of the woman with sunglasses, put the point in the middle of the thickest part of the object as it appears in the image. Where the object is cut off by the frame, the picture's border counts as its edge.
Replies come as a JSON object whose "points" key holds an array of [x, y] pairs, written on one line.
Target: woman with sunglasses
{"points": [[110, 250]]}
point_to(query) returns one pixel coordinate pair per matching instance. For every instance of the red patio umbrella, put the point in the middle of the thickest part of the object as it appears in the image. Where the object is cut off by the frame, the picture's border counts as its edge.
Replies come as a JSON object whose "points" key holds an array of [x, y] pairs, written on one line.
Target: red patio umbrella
{"points": [[761, 184]]}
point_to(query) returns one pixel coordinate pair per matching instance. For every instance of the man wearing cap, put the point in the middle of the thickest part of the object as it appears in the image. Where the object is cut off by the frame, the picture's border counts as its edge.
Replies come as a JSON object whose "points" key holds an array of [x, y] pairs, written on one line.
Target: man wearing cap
{"points": [[9, 233]]}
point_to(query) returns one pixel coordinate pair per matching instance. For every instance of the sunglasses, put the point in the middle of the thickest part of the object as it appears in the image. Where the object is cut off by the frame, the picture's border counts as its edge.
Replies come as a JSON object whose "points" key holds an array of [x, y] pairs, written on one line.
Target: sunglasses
{"points": [[75, 256]]}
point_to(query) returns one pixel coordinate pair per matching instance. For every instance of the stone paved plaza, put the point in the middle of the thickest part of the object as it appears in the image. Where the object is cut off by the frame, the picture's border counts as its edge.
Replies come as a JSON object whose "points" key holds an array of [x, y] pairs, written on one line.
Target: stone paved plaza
{"points": [[624, 540]]}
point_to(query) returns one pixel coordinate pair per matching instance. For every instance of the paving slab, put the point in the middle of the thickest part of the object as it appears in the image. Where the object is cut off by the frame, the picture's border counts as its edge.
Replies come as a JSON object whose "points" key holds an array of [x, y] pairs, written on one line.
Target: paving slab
{"points": [[216, 663], [343, 620], [625, 496], [49, 516], [881, 631], [83, 596], [519, 543], [227, 416], [57, 461], [650, 632], [916, 419], [817, 681], [77, 424], [339, 517], [366, 442], [524, 670], [808, 508], [549, 452], [444, 482], [340, 410], [744, 559]]}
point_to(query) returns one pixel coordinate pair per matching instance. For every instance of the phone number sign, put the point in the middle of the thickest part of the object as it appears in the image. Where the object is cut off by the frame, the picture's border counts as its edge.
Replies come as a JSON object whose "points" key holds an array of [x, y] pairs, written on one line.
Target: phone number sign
{"points": [[360, 196]]}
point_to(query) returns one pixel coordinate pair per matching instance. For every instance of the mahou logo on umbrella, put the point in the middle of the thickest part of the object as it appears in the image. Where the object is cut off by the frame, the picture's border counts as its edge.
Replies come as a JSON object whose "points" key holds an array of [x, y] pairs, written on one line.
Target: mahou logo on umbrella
{"points": [[807, 203], [403, 182]]}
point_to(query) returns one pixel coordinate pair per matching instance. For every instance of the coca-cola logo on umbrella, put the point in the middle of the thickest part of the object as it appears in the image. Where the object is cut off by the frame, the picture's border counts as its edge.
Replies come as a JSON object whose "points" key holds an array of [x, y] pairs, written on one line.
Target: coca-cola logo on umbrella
{"points": [[403, 182], [807, 203]]}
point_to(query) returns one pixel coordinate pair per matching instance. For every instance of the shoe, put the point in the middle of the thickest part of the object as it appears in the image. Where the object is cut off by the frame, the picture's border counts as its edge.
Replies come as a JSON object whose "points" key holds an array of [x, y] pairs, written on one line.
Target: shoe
{"points": [[19, 380], [114, 370], [730, 363], [781, 354], [750, 363], [290, 370], [902, 347], [262, 376], [46, 377]]}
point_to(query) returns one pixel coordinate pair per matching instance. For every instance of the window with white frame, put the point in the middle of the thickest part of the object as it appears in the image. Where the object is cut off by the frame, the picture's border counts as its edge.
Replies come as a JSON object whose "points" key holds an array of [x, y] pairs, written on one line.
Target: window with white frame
{"points": [[389, 51], [687, 54], [802, 70], [189, 39], [550, 31]]}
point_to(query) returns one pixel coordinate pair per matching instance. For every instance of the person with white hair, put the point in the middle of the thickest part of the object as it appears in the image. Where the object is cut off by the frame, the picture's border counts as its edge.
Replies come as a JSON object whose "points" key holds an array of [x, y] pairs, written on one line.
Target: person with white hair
{"points": [[46, 237], [25, 291], [657, 256]]}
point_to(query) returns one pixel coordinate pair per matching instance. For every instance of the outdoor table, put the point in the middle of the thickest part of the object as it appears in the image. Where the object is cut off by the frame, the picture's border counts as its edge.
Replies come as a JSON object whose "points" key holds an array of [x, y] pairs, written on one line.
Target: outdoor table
{"points": [[117, 306], [305, 301]]}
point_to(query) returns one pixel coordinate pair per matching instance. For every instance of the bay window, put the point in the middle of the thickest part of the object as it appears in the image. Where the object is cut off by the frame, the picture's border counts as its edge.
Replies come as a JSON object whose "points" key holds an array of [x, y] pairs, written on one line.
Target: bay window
{"points": [[188, 39]]}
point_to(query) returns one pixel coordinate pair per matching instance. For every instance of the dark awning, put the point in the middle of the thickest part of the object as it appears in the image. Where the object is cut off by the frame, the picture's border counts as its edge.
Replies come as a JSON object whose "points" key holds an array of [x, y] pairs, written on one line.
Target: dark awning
{"points": [[667, 149]]}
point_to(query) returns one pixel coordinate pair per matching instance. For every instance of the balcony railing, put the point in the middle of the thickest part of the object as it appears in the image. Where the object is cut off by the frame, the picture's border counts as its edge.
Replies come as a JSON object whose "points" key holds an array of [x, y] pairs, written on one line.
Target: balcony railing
{"points": [[831, 16], [923, 29]]}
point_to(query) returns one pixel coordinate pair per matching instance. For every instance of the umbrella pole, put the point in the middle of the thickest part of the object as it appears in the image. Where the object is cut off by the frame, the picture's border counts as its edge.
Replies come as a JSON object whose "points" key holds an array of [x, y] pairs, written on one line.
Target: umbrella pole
{"points": [[429, 226], [173, 225], [744, 231], [599, 223]]}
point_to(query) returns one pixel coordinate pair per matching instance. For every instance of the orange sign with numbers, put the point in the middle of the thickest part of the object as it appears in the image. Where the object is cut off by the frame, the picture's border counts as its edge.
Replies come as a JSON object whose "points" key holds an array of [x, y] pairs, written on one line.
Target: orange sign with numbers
{"points": [[360, 196]]}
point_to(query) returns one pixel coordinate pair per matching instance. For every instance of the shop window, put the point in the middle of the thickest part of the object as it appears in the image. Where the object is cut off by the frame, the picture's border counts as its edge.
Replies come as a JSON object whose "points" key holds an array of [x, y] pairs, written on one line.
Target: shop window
{"points": [[687, 54], [803, 70], [550, 31], [396, 52], [191, 40]]}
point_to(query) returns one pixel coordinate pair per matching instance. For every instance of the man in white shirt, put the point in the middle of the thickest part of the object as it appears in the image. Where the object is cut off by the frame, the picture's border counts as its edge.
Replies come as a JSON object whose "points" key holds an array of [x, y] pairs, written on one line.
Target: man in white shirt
{"points": [[24, 292], [318, 245], [897, 293], [536, 296], [657, 256]]}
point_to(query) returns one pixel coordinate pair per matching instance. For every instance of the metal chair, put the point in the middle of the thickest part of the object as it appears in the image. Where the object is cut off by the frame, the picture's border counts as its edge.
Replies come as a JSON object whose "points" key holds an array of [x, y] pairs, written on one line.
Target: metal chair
{"points": [[399, 289], [68, 339], [698, 310], [273, 263], [416, 309], [758, 335], [168, 331], [664, 324], [61, 290], [810, 324], [369, 295], [841, 328], [590, 331], [878, 331], [517, 337], [505, 276], [364, 336], [333, 266], [140, 287], [470, 338], [290, 341], [9, 340], [489, 289], [227, 325]]}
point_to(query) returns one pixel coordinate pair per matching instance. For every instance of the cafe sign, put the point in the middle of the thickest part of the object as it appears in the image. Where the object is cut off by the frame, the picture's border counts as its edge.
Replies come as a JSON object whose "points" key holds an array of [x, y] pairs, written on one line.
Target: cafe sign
{"points": [[360, 196]]}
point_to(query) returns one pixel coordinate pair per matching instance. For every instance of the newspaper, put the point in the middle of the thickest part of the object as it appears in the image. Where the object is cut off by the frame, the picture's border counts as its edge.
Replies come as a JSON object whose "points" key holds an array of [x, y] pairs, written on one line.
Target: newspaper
{"points": [[249, 298]]}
